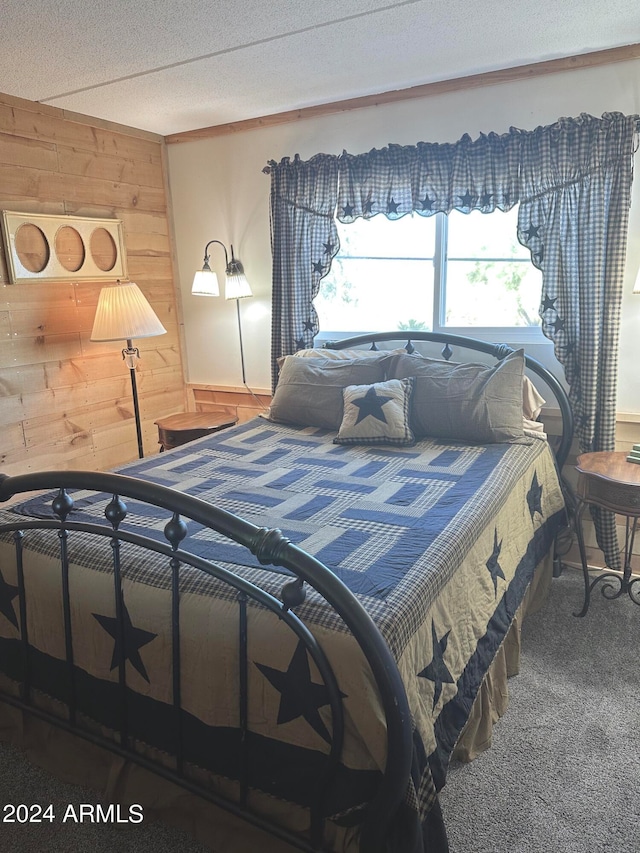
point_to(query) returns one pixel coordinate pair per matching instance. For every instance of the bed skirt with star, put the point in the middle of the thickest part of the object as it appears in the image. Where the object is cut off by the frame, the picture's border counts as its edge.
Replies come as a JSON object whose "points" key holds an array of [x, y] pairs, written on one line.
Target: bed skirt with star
{"points": [[438, 543]]}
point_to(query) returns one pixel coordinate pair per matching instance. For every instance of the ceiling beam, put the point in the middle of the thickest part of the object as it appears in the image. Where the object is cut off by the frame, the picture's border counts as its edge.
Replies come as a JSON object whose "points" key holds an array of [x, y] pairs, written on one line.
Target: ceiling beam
{"points": [[473, 81]]}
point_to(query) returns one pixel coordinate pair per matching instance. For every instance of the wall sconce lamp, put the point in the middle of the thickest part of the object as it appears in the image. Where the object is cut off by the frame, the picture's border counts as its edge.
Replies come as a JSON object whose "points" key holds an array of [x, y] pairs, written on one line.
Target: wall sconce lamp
{"points": [[123, 313], [236, 286]]}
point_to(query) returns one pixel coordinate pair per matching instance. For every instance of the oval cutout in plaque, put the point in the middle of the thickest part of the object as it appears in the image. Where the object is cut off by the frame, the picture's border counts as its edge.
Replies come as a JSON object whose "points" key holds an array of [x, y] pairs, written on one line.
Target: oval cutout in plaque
{"points": [[70, 249], [32, 247], [103, 249]]}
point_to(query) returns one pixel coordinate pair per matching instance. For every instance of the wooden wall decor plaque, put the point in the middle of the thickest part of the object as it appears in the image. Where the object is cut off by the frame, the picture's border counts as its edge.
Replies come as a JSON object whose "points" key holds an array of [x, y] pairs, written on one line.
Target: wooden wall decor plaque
{"points": [[40, 247]]}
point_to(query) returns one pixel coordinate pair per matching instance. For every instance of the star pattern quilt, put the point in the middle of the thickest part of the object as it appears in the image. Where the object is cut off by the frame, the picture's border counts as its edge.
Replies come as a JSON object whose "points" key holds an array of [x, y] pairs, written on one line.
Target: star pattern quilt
{"points": [[439, 541]]}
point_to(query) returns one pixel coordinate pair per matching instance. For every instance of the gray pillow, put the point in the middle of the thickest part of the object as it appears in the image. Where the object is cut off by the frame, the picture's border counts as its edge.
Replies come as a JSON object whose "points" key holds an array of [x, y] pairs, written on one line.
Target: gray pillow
{"points": [[309, 390], [468, 402]]}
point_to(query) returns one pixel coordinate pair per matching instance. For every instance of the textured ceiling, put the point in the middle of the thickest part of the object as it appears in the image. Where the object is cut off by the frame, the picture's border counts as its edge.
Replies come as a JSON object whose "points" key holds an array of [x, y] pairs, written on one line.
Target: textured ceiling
{"points": [[174, 65]]}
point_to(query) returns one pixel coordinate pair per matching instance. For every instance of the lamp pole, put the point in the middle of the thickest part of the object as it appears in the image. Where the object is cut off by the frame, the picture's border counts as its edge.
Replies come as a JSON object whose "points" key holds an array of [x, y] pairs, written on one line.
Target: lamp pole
{"points": [[130, 354]]}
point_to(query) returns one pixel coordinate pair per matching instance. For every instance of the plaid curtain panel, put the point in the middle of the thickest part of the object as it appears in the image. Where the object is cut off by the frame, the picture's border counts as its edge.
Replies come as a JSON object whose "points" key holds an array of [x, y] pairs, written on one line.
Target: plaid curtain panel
{"points": [[572, 180], [304, 240], [573, 216]]}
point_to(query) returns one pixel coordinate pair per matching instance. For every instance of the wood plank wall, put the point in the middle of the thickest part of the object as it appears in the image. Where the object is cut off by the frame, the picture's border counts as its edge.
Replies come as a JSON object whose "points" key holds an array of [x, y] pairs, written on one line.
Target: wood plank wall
{"points": [[66, 402], [234, 400]]}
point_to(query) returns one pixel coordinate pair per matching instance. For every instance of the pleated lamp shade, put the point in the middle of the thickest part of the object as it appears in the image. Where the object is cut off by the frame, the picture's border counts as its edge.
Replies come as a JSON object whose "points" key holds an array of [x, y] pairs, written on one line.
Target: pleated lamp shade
{"points": [[236, 286], [124, 313], [205, 283]]}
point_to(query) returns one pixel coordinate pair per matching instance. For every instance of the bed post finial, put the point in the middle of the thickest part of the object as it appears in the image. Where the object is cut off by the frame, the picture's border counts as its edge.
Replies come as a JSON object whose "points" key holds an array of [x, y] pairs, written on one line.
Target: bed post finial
{"points": [[62, 504], [293, 593], [175, 531]]}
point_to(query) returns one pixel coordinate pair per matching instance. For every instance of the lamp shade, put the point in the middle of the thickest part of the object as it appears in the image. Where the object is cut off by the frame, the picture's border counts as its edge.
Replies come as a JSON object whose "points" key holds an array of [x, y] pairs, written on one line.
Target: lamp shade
{"points": [[205, 283], [236, 286], [123, 313]]}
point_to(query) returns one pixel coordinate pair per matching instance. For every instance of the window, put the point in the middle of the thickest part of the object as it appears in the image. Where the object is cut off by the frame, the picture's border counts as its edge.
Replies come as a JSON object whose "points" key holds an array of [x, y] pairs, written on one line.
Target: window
{"points": [[456, 273]]}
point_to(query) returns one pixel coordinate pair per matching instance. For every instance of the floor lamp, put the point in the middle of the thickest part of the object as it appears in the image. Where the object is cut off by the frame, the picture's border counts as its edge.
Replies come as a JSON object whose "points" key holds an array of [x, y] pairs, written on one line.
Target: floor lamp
{"points": [[236, 286], [123, 313]]}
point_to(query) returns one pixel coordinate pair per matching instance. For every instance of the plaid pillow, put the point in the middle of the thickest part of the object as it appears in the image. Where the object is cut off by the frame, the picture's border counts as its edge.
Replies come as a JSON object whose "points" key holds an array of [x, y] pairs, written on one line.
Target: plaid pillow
{"points": [[377, 414]]}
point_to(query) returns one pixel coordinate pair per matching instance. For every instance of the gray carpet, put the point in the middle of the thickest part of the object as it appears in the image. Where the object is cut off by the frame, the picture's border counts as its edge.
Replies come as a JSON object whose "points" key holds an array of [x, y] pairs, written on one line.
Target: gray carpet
{"points": [[563, 775]]}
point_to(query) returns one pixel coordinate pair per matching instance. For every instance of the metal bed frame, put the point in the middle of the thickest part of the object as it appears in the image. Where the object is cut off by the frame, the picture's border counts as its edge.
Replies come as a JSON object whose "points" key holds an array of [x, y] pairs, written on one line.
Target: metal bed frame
{"points": [[270, 547]]}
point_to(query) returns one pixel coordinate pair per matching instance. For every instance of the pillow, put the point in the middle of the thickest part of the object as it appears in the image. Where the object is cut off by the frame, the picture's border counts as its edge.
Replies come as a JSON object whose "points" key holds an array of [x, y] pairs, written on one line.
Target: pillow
{"points": [[469, 402], [377, 414], [532, 400], [341, 354], [309, 390]]}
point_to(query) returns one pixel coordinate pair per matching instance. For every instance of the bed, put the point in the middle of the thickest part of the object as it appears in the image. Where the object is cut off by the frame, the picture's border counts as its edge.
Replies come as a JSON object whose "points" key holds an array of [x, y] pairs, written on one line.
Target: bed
{"points": [[293, 620]]}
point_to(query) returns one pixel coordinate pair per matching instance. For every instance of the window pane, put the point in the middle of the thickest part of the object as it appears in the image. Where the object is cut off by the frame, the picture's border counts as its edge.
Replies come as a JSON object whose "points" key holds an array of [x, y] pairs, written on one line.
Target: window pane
{"points": [[382, 277], [379, 237], [373, 294], [485, 235], [492, 293], [490, 280]]}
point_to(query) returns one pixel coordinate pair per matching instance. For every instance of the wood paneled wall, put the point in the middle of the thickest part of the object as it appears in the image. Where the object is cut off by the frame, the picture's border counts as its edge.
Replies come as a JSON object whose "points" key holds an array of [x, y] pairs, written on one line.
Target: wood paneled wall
{"points": [[234, 400], [66, 402]]}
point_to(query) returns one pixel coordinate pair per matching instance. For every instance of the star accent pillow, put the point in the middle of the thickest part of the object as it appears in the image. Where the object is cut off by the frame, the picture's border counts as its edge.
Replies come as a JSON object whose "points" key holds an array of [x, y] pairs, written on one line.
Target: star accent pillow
{"points": [[377, 414]]}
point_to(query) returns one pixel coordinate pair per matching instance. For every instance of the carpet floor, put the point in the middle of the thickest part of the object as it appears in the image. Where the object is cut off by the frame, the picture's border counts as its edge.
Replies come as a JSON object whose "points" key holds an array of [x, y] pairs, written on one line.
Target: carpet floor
{"points": [[563, 773]]}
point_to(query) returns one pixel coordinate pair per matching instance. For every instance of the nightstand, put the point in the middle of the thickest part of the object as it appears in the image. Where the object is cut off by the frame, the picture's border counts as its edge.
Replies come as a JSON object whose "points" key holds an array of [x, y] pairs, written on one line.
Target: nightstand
{"points": [[608, 481], [175, 430]]}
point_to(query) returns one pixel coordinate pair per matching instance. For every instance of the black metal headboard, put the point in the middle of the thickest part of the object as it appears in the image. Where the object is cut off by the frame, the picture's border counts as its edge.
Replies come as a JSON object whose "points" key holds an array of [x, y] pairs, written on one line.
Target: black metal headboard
{"points": [[498, 351]]}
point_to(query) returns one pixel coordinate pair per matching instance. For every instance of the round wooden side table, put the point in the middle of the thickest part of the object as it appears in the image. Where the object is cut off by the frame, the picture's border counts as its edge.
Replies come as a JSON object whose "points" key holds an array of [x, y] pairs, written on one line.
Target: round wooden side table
{"points": [[175, 430], [607, 480]]}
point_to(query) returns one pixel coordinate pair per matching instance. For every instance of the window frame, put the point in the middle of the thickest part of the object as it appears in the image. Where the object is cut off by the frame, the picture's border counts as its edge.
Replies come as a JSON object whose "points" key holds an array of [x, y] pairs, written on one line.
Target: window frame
{"points": [[494, 334]]}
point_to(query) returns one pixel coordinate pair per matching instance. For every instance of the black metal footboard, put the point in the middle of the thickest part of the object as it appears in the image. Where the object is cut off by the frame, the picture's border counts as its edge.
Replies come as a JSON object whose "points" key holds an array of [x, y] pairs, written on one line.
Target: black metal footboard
{"points": [[270, 547]]}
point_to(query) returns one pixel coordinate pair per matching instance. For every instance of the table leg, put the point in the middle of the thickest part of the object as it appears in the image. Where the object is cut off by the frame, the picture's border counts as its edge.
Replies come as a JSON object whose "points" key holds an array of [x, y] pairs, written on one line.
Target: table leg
{"points": [[581, 506], [623, 581]]}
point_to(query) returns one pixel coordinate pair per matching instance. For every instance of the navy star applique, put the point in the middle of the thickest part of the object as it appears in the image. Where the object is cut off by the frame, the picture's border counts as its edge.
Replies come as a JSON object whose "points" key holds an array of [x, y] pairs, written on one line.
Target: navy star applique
{"points": [[549, 302], [485, 199], [392, 206], [532, 231], [583, 421], [427, 203], [368, 206], [347, 210], [558, 324], [299, 344], [134, 639], [371, 404], [328, 247], [495, 569], [299, 696], [466, 199], [534, 496], [437, 671], [308, 326], [318, 267], [7, 593]]}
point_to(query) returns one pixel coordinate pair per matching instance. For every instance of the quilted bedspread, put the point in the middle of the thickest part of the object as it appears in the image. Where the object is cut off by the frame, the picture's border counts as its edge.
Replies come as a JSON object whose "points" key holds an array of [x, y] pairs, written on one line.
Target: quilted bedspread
{"points": [[439, 541]]}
